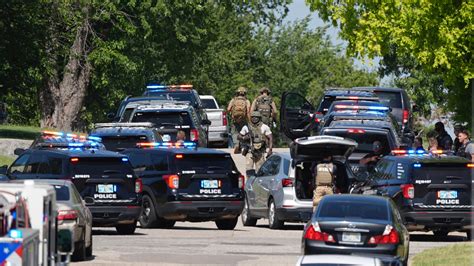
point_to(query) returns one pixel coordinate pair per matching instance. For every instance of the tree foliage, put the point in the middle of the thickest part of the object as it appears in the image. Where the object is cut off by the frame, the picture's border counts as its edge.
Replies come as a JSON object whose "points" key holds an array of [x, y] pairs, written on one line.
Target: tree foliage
{"points": [[437, 35]]}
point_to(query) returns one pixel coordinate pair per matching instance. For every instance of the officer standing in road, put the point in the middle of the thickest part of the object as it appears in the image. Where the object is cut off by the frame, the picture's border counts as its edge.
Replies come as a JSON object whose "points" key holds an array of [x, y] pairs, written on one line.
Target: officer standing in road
{"points": [[466, 149], [266, 106], [239, 109], [258, 136], [445, 142], [324, 180]]}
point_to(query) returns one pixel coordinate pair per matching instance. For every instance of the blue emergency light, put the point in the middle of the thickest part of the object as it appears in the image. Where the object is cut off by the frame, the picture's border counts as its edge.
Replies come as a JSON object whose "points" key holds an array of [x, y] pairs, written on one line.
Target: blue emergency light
{"points": [[184, 144], [124, 159], [15, 233], [417, 165]]}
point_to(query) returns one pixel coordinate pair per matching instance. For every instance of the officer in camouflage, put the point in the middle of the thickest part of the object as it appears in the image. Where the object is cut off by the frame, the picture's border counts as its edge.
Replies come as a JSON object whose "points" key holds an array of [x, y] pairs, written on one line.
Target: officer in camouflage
{"points": [[324, 180], [266, 106]]}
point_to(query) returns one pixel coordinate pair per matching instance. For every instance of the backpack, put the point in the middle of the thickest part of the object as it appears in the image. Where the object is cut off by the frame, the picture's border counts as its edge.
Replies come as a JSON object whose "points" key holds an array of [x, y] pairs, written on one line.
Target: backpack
{"points": [[239, 109], [264, 106]]}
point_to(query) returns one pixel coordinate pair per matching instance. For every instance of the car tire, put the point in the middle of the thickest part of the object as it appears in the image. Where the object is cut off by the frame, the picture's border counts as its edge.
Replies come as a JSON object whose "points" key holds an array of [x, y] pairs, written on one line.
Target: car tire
{"points": [[469, 235], [79, 253], [441, 233], [227, 224], [148, 218], [245, 216], [165, 224], [126, 229], [273, 221], [89, 249]]}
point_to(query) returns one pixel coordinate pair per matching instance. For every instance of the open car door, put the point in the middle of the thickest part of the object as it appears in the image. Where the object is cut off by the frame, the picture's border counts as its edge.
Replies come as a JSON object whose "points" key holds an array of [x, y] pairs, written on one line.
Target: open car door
{"points": [[296, 115], [316, 148]]}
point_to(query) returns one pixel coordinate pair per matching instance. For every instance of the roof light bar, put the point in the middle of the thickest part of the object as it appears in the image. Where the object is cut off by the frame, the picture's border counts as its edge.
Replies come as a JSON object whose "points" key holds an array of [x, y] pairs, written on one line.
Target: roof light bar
{"points": [[57, 134], [188, 145], [359, 107], [165, 87]]}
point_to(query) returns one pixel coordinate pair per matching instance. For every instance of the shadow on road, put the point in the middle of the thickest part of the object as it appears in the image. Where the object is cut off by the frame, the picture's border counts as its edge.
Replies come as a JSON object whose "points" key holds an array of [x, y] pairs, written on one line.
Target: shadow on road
{"points": [[432, 238], [287, 227], [105, 232]]}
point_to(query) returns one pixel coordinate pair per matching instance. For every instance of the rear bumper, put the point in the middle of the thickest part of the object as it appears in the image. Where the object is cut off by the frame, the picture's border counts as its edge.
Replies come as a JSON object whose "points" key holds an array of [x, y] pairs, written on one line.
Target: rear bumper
{"points": [[201, 210], [320, 248], [218, 134], [113, 215], [294, 214], [77, 230], [450, 220]]}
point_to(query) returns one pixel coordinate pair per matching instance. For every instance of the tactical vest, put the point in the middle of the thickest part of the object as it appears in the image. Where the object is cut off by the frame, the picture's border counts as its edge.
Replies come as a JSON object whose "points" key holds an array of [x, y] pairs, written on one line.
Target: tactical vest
{"points": [[257, 138], [462, 151], [264, 106], [324, 175]]}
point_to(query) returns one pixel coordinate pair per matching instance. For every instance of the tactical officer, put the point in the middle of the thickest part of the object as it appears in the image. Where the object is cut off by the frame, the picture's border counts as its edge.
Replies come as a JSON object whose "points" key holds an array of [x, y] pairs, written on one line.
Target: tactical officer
{"points": [[466, 149], [258, 137], [445, 142], [324, 180], [239, 109], [266, 106]]}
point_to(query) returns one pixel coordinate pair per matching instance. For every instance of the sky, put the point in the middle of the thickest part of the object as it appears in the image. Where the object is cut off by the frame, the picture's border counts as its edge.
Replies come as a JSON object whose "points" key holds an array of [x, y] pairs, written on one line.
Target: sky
{"points": [[298, 10]]}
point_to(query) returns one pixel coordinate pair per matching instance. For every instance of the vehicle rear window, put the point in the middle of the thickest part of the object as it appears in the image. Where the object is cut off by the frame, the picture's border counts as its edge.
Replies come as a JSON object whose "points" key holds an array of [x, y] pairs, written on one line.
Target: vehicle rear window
{"points": [[163, 119], [100, 166], [204, 162], [114, 142], [325, 104], [208, 104], [354, 209], [391, 99], [438, 173], [364, 140], [62, 193]]}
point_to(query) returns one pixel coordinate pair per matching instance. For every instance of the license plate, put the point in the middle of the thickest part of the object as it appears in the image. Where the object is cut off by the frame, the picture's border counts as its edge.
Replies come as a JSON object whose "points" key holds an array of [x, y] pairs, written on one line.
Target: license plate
{"points": [[350, 237], [209, 183], [447, 194], [106, 188]]}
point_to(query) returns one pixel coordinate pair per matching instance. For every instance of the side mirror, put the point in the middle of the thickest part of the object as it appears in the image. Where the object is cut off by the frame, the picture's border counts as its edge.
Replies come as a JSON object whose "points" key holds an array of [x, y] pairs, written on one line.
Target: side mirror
{"points": [[251, 172], [206, 122], [65, 241], [111, 116], [18, 151], [3, 170]]}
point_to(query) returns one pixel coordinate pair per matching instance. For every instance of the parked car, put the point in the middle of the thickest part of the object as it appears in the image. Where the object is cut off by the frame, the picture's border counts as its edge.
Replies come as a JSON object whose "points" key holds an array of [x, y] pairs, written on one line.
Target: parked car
{"points": [[120, 136], [282, 189], [184, 183], [432, 192], [218, 130], [104, 179], [356, 224], [73, 214]]}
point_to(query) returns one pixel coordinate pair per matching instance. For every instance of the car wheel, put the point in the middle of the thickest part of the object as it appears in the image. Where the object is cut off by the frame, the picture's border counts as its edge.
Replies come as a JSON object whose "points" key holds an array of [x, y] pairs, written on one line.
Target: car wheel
{"points": [[441, 233], [273, 221], [126, 229], [165, 224], [79, 253], [89, 249], [227, 224], [247, 220], [148, 217], [469, 235]]}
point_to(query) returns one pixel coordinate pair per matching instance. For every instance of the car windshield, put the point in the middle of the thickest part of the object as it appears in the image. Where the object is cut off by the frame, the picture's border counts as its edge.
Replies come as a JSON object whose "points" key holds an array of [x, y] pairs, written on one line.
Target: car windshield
{"points": [[204, 162], [163, 119], [100, 166], [365, 140], [391, 99], [62, 193], [374, 210], [182, 96], [208, 104]]}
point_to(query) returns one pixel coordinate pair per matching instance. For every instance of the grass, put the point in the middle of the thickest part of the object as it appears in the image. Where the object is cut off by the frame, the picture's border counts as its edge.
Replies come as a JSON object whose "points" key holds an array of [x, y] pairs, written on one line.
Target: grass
{"points": [[458, 254], [6, 160], [19, 132]]}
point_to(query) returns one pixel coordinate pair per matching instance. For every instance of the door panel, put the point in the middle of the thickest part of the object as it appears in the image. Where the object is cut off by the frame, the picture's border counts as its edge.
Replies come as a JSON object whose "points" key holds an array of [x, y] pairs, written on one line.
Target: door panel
{"points": [[296, 115]]}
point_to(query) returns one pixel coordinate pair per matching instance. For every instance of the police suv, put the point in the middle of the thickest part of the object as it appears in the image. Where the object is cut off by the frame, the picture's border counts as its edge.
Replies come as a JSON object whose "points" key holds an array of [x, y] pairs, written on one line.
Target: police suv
{"points": [[104, 179], [433, 191], [184, 183]]}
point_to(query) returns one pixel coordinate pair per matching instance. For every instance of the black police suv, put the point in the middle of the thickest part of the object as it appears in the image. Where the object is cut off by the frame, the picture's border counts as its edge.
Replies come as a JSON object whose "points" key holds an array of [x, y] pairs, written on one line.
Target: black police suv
{"points": [[187, 184], [120, 136], [432, 191], [105, 180], [356, 224], [169, 118]]}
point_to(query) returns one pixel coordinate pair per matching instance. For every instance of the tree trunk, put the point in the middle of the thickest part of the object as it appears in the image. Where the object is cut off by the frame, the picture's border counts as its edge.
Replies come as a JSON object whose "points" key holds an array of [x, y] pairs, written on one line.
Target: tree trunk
{"points": [[61, 101]]}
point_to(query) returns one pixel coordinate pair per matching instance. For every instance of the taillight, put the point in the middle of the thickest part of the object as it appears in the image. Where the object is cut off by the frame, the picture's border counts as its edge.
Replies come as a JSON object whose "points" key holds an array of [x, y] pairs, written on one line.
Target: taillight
{"points": [[408, 191], [389, 236], [317, 117], [194, 135], [172, 181], [314, 233], [138, 185], [67, 215], [224, 118], [74, 160], [405, 116], [287, 182], [356, 131], [242, 182]]}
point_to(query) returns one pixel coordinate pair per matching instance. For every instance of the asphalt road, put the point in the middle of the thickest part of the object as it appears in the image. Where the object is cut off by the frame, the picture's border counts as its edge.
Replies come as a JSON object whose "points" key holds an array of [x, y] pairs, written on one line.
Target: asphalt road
{"points": [[203, 243]]}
